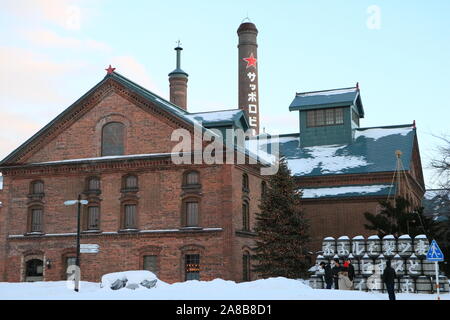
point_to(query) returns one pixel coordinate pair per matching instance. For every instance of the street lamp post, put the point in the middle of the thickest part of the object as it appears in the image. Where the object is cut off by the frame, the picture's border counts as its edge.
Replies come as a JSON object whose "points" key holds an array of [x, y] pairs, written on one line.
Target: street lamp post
{"points": [[79, 202]]}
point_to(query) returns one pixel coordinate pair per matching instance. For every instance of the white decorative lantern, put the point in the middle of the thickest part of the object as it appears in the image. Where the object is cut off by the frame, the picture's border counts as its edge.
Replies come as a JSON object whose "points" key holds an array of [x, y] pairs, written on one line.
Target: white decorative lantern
{"points": [[373, 246], [343, 246], [358, 246], [421, 245], [405, 246], [329, 247], [413, 266], [389, 246]]}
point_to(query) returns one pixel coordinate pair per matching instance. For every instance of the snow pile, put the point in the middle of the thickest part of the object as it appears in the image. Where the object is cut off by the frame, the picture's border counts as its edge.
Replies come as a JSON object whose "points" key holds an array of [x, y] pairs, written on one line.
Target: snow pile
{"points": [[218, 289], [327, 158], [129, 279], [377, 133]]}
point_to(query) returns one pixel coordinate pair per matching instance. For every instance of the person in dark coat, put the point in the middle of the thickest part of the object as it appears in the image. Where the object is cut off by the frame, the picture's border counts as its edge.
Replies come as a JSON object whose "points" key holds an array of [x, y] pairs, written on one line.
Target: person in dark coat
{"points": [[389, 279], [350, 269], [335, 272], [328, 274]]}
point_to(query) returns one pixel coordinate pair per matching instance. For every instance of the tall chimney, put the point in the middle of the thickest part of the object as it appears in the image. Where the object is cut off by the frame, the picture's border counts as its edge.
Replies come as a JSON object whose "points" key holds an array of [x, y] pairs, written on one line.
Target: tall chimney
{"points": [[178, 83], [248, 74]]}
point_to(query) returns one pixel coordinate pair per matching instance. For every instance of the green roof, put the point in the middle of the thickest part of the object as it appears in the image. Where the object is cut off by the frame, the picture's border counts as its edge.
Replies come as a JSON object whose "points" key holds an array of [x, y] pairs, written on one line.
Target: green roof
{"points": [[327, 98], [372, 150]]}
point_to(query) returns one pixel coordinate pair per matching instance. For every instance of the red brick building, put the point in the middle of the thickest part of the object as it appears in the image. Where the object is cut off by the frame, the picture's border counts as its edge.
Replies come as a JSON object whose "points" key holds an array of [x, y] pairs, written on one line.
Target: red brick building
{"points": [[113, 146], [343, 169]]}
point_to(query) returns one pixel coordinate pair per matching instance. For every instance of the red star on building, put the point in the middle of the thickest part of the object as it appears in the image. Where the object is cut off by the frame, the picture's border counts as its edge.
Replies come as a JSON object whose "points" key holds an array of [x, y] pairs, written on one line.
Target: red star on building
{"points": [[110, 70], [251, 61]]}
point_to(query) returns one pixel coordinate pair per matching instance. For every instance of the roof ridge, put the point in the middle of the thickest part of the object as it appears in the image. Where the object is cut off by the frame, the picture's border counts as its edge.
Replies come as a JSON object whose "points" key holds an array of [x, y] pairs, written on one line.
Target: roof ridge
{"points": [[387, 127], [122, 77], [299, 93], [190, 113]]}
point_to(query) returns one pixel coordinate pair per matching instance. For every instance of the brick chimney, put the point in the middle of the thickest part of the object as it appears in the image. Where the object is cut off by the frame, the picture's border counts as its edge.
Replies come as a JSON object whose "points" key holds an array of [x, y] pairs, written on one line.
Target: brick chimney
{"points": [[178, 83], [248, 74]]}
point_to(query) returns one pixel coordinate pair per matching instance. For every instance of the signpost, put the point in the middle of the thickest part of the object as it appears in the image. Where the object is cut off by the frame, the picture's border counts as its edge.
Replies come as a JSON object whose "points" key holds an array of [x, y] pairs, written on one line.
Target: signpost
{"points": [[435, 254], [78, 202], [89, 248]]}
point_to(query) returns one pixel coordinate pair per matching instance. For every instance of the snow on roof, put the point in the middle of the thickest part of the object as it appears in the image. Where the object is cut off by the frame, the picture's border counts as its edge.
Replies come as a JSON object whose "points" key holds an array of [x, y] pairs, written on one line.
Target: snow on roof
{"points": [[215, 116], [328, 238], [368, 152], [358, 238], [329, 158], [374, 237], [389, 237], [405, 236], [397, 256], [359, 190], [378, 133], [344, 238], [421, 236], [107, 158]]}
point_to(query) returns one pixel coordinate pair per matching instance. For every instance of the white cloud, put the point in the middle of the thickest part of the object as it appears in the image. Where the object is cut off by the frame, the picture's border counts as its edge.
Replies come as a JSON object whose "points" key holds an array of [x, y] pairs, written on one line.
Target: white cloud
{"points": [[49, 38], [65, 13], [27, 76], [135, 71], [20, 128]]}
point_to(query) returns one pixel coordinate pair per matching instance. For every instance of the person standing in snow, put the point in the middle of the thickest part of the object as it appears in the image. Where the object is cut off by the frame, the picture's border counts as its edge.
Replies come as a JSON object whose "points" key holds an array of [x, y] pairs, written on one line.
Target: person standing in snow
{"points": [[328, 274], [350, 269], [335, 271], [344, 281], [389, 279]]}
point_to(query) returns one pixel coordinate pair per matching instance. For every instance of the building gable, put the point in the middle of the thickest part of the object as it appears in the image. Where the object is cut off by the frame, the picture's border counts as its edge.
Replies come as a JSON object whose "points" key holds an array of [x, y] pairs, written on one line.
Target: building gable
{"points": [[76, 132]]}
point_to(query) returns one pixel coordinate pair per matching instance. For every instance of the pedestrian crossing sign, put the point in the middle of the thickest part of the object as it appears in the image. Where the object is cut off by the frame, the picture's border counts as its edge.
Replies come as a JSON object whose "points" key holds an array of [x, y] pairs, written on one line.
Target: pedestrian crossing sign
{"points": [[435, 253]]}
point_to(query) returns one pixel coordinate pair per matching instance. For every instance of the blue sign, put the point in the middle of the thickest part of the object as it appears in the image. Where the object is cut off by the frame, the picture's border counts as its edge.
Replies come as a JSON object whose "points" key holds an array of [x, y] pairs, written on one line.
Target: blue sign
{"points": [[435, 253]]}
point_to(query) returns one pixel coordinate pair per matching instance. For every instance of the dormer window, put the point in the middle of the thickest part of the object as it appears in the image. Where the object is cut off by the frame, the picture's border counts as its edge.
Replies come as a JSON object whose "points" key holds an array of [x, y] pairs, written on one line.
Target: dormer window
{"points": [[324, 117]]}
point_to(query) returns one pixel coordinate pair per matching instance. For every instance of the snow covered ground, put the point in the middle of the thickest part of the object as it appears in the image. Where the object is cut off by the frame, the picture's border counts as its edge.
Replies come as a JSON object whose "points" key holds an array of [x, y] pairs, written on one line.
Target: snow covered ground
{"points": [[268, 289]]}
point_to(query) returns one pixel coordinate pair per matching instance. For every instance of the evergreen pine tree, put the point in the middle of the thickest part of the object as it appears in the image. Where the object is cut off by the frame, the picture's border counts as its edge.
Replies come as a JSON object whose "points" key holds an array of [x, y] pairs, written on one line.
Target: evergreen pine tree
{"points": [[399, 219], [282, 229]]}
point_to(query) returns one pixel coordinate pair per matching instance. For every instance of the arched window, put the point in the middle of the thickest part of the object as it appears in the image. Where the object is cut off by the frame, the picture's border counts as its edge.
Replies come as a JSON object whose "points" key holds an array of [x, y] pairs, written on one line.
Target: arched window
{"points": [[93, 217], [245, 216], [93, 184], [131, 182], [246, 266], [263, 189], [34, 270], [190, 213], [191, 179], [113, 139], [130, 216], [37, 187], [245, 182], [36, 219]]}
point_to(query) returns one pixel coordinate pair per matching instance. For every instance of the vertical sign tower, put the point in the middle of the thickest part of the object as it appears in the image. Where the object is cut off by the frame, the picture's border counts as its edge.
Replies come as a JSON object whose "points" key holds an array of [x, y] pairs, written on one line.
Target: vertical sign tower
{"points": [[248, 74]]}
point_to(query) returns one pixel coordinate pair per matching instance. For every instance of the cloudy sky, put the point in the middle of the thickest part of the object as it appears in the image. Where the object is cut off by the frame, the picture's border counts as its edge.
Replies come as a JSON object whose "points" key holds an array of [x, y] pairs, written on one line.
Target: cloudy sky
{"points": [[53, 51]]}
